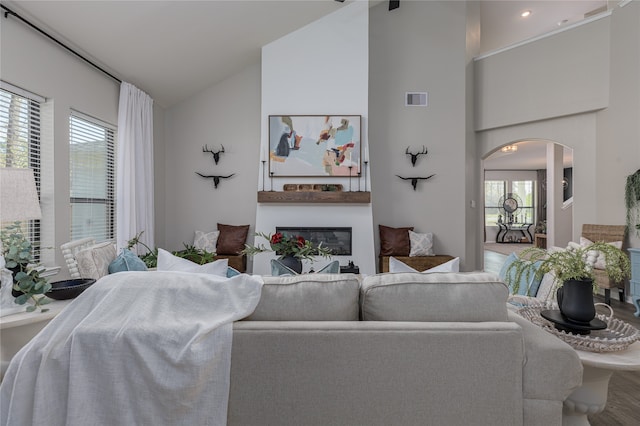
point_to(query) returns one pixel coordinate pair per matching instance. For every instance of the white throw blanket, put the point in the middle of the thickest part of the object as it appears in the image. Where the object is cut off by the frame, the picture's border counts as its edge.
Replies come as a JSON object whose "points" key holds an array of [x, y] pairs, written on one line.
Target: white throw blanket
{"points": [[136, 348]]}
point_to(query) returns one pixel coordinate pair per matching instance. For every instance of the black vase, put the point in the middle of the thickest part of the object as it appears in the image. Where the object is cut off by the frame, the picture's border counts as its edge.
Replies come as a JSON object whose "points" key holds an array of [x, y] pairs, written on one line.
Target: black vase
{"points": [[575, 299], [293, 263]]}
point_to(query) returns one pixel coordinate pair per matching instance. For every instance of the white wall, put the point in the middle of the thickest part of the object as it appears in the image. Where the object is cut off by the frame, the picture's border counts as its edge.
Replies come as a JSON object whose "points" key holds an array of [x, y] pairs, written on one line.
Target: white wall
{"points": [[421, 46], [225, 114], [560, 75], [319, 69]]}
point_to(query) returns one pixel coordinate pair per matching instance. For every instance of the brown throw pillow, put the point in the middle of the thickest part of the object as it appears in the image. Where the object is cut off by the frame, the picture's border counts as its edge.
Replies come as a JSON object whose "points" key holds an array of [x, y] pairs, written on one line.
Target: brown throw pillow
{"points": [[394, 241], [232, 238]]}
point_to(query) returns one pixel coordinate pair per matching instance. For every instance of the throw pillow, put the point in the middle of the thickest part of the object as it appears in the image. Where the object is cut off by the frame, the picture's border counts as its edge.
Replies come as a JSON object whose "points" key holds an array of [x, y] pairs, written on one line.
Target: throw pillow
{"points": [[394, 241], [206, 240], [127, 261], [528, 284], [169, 262], [421, 244], [596, 258], [231, 239], [93, 262], [232, 272], [451, 266], [279, 269]]}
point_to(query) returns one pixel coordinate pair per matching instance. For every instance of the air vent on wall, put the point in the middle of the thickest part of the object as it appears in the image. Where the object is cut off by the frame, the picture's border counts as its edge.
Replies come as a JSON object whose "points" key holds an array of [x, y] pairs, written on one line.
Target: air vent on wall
{"points": [[416, 99]]}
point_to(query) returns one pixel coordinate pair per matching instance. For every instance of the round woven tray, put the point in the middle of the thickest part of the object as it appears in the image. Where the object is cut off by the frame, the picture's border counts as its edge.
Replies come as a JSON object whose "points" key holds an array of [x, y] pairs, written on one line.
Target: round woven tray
{"points": [[616, 337]]}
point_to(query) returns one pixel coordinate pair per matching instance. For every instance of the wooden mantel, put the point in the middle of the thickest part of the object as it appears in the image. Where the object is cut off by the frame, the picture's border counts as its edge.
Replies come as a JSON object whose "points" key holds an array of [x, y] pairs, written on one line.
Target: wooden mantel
{"points": [[347, 197]]}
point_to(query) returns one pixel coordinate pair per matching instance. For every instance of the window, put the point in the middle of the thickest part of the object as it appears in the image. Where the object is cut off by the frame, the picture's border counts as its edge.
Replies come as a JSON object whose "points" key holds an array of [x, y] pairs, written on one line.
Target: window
{"points": [[20, 143], [494, 190], [497, 190], [92, 185], [524, 190]]}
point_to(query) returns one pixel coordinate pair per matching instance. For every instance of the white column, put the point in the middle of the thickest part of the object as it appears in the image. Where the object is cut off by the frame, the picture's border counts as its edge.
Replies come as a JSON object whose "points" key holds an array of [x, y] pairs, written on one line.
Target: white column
{"points": [[554, 190]]}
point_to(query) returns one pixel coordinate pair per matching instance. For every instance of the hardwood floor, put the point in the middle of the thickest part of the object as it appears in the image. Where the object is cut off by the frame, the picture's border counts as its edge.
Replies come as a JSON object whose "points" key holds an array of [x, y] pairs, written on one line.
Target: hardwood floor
{"points": [[623, 403]]}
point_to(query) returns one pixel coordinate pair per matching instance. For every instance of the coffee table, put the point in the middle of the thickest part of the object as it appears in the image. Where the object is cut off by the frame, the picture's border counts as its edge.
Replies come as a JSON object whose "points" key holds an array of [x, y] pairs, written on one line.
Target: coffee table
{"points": [[591, 396]]}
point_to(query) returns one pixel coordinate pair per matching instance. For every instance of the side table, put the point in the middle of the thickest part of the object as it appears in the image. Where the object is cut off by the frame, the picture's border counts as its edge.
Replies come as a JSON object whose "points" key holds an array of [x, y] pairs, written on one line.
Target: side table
{"points": [[591, 396], [17, 330]]}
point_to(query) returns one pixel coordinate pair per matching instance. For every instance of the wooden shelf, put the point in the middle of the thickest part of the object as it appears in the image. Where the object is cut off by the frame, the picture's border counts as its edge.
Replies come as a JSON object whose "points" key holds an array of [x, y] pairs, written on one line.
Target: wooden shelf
{"points": [[314, 197]]}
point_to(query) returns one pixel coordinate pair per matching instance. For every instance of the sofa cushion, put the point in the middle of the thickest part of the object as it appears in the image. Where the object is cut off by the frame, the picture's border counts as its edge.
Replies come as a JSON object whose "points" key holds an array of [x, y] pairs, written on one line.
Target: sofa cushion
{"points": [[421, 244], [466, 296], [308, 297], [451, 266], [278, 268], [394, 241], [169, 262], [127, 261], [231, 239], [528, 283], [93, 262], [206, 240]]}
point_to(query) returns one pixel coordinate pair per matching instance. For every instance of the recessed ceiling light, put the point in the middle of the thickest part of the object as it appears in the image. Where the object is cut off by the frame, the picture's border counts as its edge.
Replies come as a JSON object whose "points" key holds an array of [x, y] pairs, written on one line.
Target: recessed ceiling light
{"points": [[525, 13], [564, 21]]}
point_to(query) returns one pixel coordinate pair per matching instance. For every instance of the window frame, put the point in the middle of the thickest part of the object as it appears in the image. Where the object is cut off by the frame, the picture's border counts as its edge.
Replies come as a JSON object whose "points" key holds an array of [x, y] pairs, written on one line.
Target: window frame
{"points": [[31, 127], [110, 199]]}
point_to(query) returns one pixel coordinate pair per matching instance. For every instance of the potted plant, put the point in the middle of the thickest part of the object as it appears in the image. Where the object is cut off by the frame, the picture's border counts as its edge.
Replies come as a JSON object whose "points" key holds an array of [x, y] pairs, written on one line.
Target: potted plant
{"points": [[632, 200], [573, 273], [27, 283], [150, 258], [290, 249]]}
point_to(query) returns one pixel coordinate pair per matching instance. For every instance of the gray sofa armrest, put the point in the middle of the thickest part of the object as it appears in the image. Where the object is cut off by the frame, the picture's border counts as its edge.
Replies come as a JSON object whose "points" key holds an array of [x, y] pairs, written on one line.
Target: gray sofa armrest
{"points": [[552, 368]]}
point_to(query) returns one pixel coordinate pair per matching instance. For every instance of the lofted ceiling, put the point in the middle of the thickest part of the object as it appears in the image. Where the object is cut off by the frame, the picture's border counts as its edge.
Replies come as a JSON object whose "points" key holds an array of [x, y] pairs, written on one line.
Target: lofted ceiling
{"points": [[175, 49]]}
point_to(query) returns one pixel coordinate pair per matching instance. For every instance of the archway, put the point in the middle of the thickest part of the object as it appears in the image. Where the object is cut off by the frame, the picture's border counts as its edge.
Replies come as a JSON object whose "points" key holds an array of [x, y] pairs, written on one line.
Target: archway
{"points": [[520, 172]]}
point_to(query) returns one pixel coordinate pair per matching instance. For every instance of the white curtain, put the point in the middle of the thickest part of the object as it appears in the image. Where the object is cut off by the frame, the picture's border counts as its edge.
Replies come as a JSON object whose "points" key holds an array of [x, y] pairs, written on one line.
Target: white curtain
{"points": [[135, 167]]}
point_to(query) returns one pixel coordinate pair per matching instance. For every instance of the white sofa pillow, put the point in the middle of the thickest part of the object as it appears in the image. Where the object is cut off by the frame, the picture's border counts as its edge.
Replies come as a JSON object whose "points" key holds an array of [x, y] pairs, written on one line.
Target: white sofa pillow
{"points": [[596, 258], [169, 262], [93, 262], [206, 240], [421, 244], [451, 266]]}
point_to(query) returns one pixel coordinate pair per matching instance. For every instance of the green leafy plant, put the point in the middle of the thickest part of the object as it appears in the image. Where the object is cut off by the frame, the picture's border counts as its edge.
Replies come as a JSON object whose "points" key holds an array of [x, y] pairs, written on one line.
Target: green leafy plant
{"points": [[570, 264], [196, 255], [150, 258], [17, 252], [283, 245], [632, 201]]}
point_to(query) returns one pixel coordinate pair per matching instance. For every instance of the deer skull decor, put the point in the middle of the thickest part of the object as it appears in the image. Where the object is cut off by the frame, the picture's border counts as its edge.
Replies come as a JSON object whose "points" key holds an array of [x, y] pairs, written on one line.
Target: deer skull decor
{"points": [[414, 180], [414, 157], [216, 154], [216, 179]]}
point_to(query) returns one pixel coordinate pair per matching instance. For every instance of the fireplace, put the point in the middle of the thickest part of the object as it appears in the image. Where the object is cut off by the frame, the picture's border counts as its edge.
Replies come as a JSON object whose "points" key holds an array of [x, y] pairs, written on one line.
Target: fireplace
{"points": [[337, 239]]}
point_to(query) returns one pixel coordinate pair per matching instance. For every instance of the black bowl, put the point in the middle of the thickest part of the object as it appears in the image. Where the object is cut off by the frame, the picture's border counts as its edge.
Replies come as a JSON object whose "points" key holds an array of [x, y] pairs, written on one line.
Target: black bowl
{"points": [[68, 289]]}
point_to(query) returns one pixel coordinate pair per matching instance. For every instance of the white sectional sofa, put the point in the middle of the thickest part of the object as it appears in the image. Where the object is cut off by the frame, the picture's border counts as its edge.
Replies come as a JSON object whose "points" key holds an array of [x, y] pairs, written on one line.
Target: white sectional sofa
{"points": [[395, 349]]}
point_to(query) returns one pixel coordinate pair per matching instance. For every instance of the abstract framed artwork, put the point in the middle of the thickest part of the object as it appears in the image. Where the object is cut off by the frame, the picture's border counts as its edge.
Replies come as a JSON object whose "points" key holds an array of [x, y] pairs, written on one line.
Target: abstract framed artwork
{"points": [[315, 145]]}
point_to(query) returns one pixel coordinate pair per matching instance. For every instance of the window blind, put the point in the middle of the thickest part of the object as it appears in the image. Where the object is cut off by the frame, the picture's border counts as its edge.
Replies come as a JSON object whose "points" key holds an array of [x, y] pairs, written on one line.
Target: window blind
{"points": [[20, 143], [92, 178]]}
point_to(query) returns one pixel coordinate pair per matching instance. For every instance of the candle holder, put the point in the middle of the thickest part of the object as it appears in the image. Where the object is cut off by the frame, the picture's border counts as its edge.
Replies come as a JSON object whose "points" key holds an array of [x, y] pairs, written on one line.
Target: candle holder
{"points": [[271, 180], [263, 176], [366, 163], [350, 167]]}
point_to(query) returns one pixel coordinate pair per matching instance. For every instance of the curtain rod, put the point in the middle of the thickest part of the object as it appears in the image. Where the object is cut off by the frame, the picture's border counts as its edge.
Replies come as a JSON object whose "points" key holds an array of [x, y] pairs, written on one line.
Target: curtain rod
{"points": [[8, 12]]}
